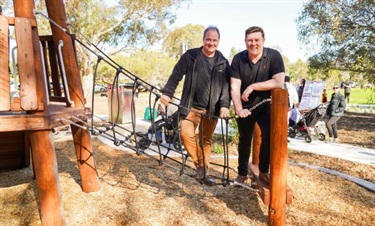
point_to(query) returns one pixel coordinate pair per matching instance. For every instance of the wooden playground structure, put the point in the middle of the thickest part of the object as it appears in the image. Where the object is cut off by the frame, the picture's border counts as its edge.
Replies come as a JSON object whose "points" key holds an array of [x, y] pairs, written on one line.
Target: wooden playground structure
{"points": [[27, 120]]}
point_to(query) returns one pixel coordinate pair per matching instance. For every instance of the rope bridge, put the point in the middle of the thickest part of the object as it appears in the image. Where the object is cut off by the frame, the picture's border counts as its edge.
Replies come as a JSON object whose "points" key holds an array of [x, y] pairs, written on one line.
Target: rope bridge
{"points": [[139, 141]]}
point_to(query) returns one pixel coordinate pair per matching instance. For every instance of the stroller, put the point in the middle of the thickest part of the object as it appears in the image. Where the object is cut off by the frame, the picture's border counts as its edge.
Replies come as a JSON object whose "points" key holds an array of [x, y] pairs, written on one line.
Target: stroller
{"points": [[168, 126], [310, 125]]}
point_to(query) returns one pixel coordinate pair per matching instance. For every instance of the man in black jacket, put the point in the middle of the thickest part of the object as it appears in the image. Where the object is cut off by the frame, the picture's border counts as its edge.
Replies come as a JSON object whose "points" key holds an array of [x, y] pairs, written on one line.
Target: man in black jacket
{"points": [[205, 92]]}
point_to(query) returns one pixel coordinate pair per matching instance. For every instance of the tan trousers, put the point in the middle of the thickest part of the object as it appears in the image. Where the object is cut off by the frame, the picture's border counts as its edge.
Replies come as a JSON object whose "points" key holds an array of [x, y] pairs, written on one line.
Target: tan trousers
{"points": [[192, 135]]}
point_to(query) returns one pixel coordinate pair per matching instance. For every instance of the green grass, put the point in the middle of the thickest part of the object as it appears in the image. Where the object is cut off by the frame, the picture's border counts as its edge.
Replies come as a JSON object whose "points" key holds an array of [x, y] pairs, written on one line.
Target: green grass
{"points": [[358, 95]]}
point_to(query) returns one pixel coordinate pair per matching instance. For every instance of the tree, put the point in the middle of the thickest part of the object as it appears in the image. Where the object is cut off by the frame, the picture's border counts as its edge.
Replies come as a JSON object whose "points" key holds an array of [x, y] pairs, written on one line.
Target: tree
{"points": [[298, 70], [233, 51], [153, 67], [344, 33], [192, 34]]}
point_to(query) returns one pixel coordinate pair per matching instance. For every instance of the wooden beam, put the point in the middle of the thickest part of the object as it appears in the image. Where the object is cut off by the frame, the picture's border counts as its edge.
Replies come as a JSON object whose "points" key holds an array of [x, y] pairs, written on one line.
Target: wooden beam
{"points": [[4, 65], [11, 21], [25, 60], [264, 189], [257, 140], [47, 180], [24, 9], [85, 159], [56, 11], [279, 157]]}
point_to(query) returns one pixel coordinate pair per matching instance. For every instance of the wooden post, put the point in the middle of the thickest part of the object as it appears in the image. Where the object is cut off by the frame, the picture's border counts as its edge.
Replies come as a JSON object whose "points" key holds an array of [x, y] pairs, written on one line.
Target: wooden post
{"points": [[56, 11], [279, 156], [4, 65], [24, 8], [85, 159], [257, 140], [81, 137], [47, 180]]}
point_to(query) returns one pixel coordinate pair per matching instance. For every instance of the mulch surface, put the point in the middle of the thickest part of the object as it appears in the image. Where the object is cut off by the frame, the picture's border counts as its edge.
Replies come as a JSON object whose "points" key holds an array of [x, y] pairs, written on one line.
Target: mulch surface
{"points": [[136, 190]]}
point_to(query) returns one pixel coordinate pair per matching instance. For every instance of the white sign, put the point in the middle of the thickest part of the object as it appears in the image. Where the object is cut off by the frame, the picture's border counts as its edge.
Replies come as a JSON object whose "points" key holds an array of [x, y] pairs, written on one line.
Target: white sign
{"points": [[312, 95]]}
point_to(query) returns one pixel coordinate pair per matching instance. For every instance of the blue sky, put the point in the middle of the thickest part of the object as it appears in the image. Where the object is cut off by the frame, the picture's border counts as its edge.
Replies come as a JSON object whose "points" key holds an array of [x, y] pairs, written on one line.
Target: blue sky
{"points": [[277, 18]]}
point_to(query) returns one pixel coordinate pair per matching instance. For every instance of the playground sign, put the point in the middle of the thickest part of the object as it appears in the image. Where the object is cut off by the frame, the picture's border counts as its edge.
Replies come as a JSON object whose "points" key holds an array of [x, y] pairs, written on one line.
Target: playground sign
{"points": [[311, 96]]}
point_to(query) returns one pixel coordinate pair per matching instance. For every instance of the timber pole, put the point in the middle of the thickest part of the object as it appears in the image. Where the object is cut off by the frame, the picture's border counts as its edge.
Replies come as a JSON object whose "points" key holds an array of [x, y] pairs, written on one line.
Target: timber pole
{"points": [[47, 180], [279, 156], [81, 137], [56, 12], [257, 140], [41, 142]]}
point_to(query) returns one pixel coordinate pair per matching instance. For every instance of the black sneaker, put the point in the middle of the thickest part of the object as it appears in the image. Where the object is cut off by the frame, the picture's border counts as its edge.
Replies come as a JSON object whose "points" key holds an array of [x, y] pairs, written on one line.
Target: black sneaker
{"points": [[209, 181]]}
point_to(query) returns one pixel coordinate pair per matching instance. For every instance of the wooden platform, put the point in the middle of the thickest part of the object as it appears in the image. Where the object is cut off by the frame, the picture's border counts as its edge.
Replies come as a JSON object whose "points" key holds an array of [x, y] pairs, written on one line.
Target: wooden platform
{"points": [[264, 189], [21, 121]]}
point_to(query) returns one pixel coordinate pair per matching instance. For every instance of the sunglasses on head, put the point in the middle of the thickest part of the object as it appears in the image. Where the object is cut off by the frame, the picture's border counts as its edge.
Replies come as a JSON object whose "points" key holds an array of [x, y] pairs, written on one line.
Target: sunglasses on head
{"points": [[335, 87]]}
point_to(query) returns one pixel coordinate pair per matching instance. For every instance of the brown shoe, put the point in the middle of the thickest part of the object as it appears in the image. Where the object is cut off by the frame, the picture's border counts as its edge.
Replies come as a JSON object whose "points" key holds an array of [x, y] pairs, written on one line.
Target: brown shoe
{"points": [[199, 173], [240, 179], [264, 177]]}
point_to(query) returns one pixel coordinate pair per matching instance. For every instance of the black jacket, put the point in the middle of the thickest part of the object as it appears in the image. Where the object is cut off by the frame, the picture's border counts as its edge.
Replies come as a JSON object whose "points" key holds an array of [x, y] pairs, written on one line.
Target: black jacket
{"points": [[220, 89], [337, 105]]}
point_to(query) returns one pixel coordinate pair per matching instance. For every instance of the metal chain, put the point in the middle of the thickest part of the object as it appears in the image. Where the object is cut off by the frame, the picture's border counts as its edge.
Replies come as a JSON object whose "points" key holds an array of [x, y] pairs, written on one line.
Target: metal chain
{"points": [[259, 104]]}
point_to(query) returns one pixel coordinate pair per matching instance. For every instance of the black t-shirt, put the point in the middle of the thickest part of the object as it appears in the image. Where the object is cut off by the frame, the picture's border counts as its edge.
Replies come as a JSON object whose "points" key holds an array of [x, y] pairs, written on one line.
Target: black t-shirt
{"points": [[203, 67], [267, 66]]}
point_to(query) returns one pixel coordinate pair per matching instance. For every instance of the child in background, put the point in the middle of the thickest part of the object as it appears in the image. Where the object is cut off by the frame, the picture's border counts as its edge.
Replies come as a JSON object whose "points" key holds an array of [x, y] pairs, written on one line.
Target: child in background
{"points": [[324, 96]]}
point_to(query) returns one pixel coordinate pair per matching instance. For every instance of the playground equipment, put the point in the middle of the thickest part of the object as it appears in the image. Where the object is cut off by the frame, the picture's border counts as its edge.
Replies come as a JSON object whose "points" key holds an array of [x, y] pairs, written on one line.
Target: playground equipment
{"points": [[39, 109], [31, 117]]}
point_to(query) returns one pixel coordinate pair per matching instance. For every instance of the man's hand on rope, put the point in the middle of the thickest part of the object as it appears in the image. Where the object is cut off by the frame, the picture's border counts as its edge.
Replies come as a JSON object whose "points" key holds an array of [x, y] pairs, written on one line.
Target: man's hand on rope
{"points": [[165, 100], [243, 113], [224, 112]]}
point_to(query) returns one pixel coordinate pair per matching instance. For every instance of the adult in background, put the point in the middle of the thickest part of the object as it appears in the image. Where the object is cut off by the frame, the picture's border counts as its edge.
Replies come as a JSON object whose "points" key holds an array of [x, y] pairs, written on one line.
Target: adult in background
{"points": [[205, 91], [335, 111], [300, 89], [347, 92], [292, 93], [255, 71]]}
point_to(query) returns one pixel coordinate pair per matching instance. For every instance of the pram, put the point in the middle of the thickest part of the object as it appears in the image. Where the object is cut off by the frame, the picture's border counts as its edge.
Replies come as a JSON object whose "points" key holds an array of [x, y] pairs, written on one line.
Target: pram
{"points": [[164, 125], [310, 125]]}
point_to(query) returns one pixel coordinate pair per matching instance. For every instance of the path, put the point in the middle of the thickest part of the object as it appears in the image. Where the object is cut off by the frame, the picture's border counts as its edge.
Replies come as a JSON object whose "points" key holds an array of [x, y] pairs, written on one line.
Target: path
{"points": [[336, 150]]}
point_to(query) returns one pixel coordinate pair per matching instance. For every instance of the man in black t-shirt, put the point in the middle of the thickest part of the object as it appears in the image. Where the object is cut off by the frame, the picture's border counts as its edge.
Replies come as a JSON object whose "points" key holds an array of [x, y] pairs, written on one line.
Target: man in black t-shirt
{"points": [[255, 71], [205, 97]]}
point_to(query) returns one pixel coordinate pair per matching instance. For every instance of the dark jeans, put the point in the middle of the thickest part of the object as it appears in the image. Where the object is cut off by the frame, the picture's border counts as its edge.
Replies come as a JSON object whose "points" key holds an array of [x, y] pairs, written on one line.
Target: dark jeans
{"points": [[332, 126], [245, 128], [347, 95]]}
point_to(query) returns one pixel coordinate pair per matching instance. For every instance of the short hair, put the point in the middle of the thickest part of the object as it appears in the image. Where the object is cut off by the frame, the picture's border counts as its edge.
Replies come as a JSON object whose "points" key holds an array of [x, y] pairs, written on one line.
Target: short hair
{"points": [[1, 9], [254, 29], [211, 28], [287, 78]]}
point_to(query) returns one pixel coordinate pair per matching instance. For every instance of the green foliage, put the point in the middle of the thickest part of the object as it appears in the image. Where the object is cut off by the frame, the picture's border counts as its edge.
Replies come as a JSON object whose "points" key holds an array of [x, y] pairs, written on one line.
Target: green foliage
{"points": [[153, 67], [117, 26], [233, 124], [297, 70], [123, 23], [358, 95], [232, 53], [192, 34], [343, 32], [217, 148]]}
